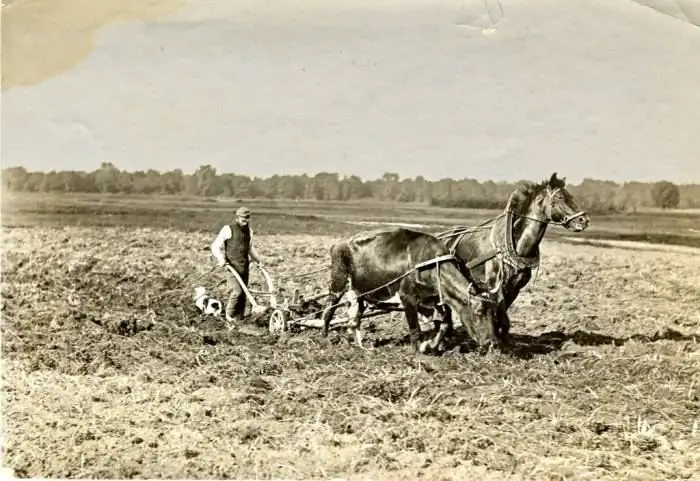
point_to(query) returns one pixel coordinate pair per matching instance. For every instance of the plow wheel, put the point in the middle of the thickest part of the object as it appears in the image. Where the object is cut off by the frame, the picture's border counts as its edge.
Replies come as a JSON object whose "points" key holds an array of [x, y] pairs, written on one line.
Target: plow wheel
{"points": [[278, 322]]}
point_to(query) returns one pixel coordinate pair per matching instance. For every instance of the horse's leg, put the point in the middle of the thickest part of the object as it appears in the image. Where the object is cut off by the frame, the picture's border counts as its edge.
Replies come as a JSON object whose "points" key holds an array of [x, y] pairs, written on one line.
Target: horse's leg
{"points": [[437, 342], [411, 311], [502, 323], [355, 311], [494, 272], [518, 284], [426, 315], [437, 318], [449, 330], [510, 293], [338, 283], [329, 311], [337, 287], [442, 315]]}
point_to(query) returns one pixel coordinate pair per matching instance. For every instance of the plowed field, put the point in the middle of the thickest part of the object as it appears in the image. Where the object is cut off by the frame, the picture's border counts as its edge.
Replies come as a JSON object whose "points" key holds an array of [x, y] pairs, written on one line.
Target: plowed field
{"points": [[108, 371]]}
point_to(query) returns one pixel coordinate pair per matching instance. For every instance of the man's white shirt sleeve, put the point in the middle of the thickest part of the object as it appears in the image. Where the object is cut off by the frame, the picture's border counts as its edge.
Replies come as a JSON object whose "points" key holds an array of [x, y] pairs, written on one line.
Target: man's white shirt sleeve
{"points": [[217, 247]]}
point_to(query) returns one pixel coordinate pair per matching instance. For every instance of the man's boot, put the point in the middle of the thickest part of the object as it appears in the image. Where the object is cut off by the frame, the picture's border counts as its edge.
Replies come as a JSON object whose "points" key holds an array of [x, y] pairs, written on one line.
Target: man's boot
{"points": [[232, 320]]}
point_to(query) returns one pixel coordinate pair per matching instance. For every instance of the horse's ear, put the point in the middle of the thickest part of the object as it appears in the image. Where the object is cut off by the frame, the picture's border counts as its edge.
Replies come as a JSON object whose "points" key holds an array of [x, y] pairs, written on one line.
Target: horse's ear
{"points": [[555, 181]]}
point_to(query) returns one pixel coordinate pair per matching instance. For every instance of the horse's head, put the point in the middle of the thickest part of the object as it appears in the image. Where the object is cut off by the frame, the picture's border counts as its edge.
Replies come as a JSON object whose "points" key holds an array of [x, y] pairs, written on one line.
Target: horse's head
{"points": [[483, 303], [551, 203], [563, 208]]}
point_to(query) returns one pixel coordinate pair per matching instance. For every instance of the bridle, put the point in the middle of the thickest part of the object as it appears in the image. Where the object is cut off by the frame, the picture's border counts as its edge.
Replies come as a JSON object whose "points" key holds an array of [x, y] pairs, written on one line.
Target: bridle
{"points": [[548, 209], [505, 247]]}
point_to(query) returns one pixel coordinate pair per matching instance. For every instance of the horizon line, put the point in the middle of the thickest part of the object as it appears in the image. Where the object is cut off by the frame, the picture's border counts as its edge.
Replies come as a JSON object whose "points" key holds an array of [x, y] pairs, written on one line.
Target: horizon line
{"points": [[345, 175]]}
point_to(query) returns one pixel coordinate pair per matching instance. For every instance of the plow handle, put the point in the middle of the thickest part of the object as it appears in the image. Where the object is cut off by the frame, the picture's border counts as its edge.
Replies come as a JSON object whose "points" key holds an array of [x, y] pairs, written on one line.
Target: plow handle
{"points": [[268, 280], [242, 284], [270, 286]]}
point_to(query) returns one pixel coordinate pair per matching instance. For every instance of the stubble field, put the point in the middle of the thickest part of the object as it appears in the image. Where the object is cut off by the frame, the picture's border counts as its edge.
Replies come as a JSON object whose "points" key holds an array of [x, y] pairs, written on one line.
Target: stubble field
{"points": [[108, 371]]}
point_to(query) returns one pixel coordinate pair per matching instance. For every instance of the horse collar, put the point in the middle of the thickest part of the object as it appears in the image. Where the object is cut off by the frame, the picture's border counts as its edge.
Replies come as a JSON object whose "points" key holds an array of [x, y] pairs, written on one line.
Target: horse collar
{"points": [[510, 254]]}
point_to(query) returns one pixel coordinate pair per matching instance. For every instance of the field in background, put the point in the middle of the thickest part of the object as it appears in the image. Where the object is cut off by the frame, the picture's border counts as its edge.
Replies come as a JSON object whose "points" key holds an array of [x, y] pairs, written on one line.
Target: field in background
{"points": [[108, 371], [676, 227]]}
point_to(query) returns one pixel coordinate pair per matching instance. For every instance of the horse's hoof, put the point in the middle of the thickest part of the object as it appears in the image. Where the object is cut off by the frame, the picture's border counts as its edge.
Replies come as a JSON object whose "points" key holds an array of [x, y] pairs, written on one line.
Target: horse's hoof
{"points": [[503, 339], [424, 347]]}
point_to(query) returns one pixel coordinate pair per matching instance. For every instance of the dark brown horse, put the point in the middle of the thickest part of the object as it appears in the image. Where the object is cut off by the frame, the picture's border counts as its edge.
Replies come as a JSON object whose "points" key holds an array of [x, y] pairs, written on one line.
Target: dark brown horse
{"points": [[415, 270], [505, 250]]}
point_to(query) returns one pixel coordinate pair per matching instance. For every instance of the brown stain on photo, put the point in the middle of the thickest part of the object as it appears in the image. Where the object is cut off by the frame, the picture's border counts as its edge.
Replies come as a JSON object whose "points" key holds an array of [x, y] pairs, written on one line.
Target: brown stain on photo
{"points": [[44, 38]]}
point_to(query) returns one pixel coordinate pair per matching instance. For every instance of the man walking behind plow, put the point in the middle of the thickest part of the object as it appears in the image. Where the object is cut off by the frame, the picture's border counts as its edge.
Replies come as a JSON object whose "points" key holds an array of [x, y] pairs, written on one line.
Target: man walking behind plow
{"points": [[234, 246]]}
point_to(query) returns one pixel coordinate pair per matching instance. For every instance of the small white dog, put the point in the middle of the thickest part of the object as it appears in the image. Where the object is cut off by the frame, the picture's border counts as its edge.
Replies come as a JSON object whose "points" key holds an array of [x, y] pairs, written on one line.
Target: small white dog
{"points": [[206, 304]]}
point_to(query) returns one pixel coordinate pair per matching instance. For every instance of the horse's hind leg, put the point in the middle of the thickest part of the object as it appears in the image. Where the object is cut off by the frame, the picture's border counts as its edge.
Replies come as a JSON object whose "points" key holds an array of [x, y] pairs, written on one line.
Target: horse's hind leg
{"points": [[329, 311], [337, 287], [411, 312], [355, 311]]}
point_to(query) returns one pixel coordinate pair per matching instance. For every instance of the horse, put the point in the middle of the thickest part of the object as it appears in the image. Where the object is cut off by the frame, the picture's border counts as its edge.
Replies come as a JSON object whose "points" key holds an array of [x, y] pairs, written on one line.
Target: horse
{"points": [[505, 250], [415, 269]]}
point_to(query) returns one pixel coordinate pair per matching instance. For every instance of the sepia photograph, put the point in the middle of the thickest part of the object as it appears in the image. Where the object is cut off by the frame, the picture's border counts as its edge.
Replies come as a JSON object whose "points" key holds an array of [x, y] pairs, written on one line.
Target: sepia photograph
{"points": [[368, 240]]}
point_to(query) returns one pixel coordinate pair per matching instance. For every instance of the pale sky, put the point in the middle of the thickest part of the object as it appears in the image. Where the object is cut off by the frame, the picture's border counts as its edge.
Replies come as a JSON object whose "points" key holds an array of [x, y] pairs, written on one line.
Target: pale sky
{"points": [[609, 90]]}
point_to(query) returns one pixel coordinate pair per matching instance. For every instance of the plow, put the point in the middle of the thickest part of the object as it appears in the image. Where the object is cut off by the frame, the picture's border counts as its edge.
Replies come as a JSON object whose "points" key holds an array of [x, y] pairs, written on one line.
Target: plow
{"points": [[286, 313], [299, 311]]}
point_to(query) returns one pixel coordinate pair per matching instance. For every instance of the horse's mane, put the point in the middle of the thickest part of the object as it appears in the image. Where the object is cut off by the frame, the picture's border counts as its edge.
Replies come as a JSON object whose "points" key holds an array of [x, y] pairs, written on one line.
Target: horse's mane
{"points": [[523, 196]]}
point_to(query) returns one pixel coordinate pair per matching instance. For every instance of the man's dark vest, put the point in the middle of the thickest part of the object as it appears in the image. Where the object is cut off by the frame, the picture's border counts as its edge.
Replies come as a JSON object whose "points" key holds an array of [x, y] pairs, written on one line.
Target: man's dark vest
{"points": [[237, 248]]}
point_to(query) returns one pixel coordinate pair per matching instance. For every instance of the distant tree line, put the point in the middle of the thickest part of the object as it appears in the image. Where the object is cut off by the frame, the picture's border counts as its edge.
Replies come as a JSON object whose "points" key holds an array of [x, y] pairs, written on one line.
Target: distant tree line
{"points": [[595, 195]]}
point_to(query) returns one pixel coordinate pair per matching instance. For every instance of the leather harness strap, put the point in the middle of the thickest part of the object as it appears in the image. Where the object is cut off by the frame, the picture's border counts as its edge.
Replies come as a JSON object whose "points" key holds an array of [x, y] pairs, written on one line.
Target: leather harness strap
{"points": [[483, 259], [437, 261]]}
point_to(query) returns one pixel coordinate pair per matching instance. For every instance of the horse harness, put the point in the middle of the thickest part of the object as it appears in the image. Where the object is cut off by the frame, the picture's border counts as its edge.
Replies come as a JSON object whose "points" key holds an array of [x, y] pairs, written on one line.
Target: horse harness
{"points": [[435, 261], [506, 248]]}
